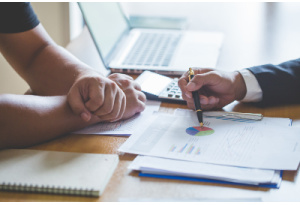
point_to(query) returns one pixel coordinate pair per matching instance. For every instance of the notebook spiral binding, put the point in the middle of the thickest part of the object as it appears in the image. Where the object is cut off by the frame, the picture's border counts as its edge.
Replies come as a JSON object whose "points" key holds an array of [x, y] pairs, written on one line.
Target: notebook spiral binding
{"points": [[47, 189]]}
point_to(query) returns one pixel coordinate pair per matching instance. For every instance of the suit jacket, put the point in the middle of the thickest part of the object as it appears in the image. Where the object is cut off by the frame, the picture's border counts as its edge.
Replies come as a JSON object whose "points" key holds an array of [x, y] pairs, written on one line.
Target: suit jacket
{"points": [[280, 83]]}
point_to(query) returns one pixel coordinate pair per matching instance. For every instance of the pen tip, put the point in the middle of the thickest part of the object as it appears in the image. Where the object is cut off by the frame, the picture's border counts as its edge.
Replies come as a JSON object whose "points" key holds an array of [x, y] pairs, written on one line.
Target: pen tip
{"points": [[201, 124]]}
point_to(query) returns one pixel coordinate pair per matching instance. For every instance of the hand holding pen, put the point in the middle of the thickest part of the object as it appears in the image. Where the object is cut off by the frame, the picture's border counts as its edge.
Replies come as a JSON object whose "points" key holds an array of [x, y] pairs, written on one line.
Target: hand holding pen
{"points": [[216, 88], [196, 100]]}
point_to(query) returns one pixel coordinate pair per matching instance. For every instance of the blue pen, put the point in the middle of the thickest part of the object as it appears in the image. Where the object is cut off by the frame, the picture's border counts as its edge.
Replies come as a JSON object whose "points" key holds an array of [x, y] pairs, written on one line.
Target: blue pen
{"points": [[196, 100]]}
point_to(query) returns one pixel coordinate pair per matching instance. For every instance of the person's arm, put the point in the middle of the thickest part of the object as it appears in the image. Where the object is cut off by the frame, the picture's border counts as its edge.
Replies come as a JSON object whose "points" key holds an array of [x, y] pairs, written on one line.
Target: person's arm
{"points": [[273, 84], [279, 83], [27, 120], [45, 66], [51, 70]]}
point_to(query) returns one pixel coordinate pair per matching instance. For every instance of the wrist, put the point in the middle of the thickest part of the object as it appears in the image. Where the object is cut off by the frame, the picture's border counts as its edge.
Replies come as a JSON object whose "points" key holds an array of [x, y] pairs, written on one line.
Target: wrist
{"points": [[240, 88], [89, 72]]}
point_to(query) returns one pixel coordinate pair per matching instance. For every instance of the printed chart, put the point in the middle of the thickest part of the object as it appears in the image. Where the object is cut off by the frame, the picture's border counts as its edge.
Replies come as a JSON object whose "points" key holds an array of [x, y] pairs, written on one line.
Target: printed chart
{"points": [[233, 119], [186, 149], [199, 131]]}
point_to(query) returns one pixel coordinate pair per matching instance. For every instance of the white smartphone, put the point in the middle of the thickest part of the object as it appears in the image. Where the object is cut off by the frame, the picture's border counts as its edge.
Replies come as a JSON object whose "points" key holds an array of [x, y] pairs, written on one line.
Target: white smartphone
{"points": [[160, 87]]}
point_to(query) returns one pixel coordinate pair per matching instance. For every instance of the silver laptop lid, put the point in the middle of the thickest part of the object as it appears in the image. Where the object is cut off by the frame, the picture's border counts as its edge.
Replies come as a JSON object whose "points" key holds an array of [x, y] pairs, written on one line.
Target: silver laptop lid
{"points": [[101, 17]]}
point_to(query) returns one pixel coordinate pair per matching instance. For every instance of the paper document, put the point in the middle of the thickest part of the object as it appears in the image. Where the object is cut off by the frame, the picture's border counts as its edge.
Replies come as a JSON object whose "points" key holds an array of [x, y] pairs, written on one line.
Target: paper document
{"points": [[155, 165], [123, 127], [222, 142]]}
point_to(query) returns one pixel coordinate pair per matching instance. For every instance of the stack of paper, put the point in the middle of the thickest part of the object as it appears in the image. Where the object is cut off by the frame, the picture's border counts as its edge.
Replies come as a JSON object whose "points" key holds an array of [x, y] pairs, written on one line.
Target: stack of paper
{"points": [[228, 147], [196, 171]]}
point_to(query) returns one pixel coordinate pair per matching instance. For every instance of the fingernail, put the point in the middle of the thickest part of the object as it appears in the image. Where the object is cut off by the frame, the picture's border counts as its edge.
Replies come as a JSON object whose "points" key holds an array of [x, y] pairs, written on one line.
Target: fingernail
{"points": [[188, 95], [85, 116]]}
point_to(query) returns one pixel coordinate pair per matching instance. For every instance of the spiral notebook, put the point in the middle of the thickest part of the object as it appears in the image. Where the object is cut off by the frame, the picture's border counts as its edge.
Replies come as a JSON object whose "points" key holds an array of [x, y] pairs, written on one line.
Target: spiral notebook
{"points": [[55, 172]]}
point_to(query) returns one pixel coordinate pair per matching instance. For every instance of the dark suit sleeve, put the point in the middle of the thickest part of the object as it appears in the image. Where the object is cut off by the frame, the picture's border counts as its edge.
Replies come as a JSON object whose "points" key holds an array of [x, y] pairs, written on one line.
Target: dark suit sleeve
{"points": [[280, 83]]}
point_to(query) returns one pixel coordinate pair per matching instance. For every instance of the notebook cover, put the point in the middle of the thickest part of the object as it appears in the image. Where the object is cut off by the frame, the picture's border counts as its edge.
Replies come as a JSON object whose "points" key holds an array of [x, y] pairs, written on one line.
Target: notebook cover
{"points": [[55, 172]]}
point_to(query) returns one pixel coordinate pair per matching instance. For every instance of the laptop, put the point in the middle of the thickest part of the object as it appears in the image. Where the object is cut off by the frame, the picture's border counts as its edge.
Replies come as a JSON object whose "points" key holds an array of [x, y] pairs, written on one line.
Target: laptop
{"points": [[124, 49]]}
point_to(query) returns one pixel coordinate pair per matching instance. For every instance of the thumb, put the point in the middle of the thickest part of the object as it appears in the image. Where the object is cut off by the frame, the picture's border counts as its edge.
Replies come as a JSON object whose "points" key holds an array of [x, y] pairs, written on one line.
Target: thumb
{"points": [[201, 80], [86, 115], [192, 86], [77, 106]]}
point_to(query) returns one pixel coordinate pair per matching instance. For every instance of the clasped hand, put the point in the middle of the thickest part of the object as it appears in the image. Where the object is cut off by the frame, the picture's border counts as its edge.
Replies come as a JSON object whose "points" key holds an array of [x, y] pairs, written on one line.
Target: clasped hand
{"points": [[106, 99]]}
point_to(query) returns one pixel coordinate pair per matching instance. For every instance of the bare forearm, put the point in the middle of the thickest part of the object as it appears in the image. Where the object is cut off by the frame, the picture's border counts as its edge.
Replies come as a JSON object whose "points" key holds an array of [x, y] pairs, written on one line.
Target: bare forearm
{"points": [[28, 120], [46, 67], [53, 71]]}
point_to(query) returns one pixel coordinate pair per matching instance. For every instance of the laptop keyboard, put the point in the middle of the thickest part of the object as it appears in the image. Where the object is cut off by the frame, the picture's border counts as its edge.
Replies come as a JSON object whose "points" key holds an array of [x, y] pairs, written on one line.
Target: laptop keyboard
{"points": [[153, 49]]}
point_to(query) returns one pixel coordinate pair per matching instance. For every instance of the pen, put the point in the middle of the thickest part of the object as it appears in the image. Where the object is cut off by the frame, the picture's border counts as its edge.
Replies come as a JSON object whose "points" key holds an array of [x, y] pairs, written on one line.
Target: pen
{"points": [[196, 100]]}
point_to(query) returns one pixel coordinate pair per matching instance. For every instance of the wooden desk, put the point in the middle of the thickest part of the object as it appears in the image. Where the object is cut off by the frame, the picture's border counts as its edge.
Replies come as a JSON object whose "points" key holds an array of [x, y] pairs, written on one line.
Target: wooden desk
{"points": [[254, 34], [127, 185]]}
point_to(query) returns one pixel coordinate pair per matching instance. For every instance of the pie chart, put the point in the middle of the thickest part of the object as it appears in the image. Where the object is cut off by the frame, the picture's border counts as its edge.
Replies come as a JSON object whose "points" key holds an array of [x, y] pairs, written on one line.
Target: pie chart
{"points": [[199, 131]]}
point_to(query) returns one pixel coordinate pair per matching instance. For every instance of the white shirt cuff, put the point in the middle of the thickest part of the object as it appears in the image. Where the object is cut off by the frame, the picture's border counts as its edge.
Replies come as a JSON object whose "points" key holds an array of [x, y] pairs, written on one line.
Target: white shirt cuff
{"points": [[254, 92]]}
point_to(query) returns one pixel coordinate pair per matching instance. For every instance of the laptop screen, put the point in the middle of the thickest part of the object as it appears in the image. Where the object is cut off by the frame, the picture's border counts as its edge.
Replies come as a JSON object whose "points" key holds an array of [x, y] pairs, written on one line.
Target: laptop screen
{"points": [[106, 23]]}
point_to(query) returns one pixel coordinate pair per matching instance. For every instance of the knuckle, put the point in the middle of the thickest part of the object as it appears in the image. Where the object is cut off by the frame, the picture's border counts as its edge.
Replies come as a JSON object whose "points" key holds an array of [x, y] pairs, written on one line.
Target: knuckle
{"points": [[125, 82], [131, 78], [89, 79], [215, 73], [92, 81], [113, 85], [115, 75]]}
